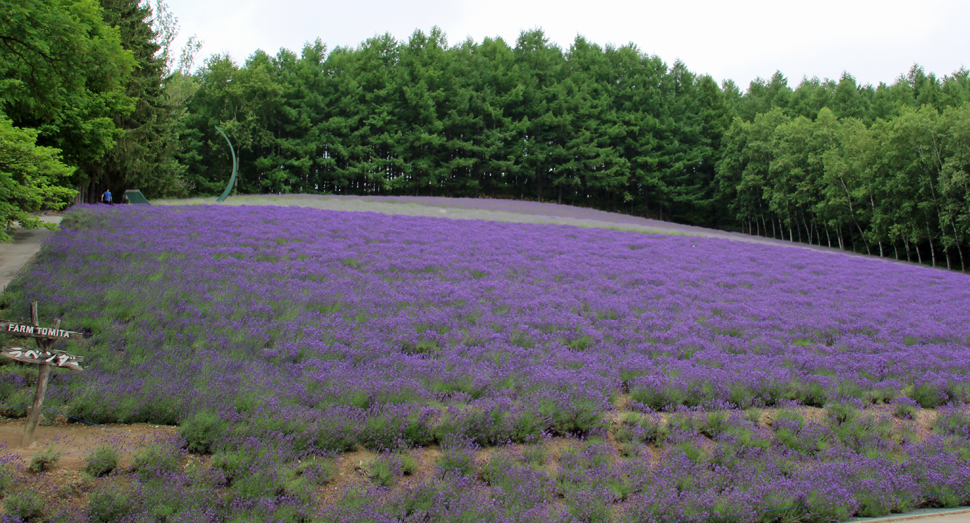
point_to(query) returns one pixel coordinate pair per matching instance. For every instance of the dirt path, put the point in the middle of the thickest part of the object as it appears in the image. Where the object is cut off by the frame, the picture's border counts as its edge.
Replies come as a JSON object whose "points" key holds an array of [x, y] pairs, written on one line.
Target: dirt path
{"points": [[74, 441], [26, 243]]}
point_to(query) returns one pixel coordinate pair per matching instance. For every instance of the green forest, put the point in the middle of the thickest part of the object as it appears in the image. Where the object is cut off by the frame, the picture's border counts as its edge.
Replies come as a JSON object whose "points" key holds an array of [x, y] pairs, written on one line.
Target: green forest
{"points": [[96, 88]]}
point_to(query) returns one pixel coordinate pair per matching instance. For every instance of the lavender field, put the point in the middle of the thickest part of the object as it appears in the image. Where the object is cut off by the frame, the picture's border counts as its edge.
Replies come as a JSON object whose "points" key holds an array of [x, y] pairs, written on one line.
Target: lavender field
{"points": [[499, 371]]}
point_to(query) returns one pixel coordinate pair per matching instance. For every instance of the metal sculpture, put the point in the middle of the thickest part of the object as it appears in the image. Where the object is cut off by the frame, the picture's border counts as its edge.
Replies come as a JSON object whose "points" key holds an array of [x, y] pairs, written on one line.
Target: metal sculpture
{"points": [[232, 180]]}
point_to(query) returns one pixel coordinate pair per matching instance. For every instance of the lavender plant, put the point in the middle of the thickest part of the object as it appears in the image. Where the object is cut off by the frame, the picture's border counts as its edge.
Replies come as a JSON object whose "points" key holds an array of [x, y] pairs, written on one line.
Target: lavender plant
{"points": [[102, 460]]}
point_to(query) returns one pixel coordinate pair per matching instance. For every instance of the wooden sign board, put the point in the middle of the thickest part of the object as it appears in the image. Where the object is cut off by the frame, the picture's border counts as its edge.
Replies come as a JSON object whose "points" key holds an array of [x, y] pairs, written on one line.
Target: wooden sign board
{"points": [[26, 329], [56, 358], [44, 356]]}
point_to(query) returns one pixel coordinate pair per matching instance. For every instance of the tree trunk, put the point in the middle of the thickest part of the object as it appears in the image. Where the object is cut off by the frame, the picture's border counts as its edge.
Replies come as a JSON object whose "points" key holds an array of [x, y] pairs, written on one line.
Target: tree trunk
{"points": [[807, 230], [863, 235], [946, 248], [929, 235], [827, 237], [909, 257], [872, 202], [919, 256], [774, 234], [959, 243]]}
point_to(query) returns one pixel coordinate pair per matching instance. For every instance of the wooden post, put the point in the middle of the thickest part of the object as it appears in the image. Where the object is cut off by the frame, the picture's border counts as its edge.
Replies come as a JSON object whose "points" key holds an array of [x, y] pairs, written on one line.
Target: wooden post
{"points": [[44, 355], [33, 418]]}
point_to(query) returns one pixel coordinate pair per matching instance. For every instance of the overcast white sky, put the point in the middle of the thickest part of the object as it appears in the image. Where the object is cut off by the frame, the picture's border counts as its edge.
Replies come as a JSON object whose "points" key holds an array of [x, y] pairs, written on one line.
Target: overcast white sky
{"points": [[874, 40]]}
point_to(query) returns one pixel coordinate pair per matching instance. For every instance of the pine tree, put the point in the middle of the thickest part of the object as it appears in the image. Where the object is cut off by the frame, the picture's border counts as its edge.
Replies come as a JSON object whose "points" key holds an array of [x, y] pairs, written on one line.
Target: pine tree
{"points": [[144, 155]]}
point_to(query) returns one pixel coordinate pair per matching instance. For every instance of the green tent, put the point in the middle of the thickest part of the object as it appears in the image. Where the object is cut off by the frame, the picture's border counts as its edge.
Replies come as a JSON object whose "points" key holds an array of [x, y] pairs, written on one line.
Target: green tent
{"points": [[135, 196]]}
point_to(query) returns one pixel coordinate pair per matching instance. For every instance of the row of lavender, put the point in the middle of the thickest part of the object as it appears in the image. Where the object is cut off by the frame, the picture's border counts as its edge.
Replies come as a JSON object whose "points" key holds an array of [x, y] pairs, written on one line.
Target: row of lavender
{"points": [[782, 467], [714, 467]]}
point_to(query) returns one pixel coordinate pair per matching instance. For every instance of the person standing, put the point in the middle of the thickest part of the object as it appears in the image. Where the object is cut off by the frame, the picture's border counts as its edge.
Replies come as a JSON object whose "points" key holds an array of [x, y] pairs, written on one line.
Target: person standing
{"points": [[106, 196]]}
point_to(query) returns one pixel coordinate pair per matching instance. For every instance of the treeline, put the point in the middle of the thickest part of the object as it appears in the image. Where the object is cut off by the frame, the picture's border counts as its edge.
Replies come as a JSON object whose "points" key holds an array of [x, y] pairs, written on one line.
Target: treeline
{"points": [[611, 128], [871, 169]]}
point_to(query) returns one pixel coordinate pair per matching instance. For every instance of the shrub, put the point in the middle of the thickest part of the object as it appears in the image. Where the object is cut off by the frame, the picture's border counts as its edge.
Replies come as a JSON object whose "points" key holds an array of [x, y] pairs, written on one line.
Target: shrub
{"points": [[828, 502], [44, 459], [409, 464], [232, 465], [536, 454], [382, 472], [258, 484], [102, 460], [931, 393], [110, 505], [694, 450], [642, 428], [753, 415], [866, 433], [6, 478], [788, 418], [25, 506], [317, 471], [746, 436], [840, 413], [426, 497], [905, 408], [460, 459], [386, 469], [157, 460], [713, 424], [429, 347], [202, 432], [952, 421], [340, 435], [17, 400]]}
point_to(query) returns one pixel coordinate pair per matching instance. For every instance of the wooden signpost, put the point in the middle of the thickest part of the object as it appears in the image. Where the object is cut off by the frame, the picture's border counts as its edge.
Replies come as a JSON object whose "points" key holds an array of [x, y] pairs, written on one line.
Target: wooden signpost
{"points": [[44, 355]]}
